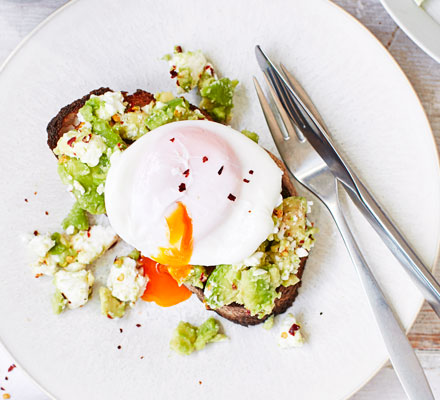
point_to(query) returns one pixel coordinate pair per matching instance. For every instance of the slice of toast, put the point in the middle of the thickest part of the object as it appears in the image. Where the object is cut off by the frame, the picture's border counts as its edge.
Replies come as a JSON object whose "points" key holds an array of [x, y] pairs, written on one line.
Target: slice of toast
{"points": [[237, 313], [66, 119]]}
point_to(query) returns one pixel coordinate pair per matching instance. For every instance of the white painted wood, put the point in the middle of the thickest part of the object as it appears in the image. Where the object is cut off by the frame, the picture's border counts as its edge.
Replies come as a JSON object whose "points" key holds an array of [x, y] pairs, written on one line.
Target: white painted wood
{"points": [[18, 18]]}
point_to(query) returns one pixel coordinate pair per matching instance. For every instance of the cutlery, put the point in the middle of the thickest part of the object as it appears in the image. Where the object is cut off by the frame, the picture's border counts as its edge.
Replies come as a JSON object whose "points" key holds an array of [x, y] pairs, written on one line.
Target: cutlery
{"points": [[307, 166], [299, 107]]}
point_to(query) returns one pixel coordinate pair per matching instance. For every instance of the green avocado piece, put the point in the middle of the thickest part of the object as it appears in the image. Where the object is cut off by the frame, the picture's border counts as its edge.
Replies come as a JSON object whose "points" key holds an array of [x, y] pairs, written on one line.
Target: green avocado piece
{"points": [[294, 216], [217, 95], [77, 217], [197, 277], [71, 170], [177, 109], [99, 126], [221, 288], [111, 307], [251, 135], [183, 339], [59, 302], [258, 289], [208, 332], [188, 338], [62, 249]]}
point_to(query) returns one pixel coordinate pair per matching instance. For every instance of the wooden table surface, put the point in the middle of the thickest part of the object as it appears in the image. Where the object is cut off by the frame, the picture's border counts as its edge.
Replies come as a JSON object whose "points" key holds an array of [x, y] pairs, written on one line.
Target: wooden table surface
{"points": [[19, 17]]}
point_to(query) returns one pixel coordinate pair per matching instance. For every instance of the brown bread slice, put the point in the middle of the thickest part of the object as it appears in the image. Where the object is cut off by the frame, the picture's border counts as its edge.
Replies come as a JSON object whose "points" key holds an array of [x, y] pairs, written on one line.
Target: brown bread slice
{"points": [[66, 120], [237, 313]]}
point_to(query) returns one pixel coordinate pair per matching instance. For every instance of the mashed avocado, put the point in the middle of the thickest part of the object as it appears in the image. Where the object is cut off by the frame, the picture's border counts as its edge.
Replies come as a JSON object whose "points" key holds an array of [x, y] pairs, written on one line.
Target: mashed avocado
{"points": [[275, 263], [188, 338], [191, 69], [111, 307], [77, 218]]}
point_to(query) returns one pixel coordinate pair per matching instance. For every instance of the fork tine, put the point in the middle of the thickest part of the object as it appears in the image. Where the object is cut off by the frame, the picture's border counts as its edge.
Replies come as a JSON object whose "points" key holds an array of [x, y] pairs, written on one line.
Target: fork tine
{"points": [[278, 136], [282, 111], [293, 82]]}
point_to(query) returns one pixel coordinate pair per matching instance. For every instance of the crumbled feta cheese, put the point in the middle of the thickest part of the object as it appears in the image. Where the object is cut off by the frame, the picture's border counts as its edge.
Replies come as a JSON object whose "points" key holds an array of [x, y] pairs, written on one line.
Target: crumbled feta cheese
{"points": [[125, 280], [70, 229], [46, 266], [290, 334], [79, 187], [74, 286], [301, 252], [41, 244], [100, 188], [134, 125], [75, 267], [259, 271], [113, 103], [193, 62], [253, 260], [92, 243], [85, 146]]}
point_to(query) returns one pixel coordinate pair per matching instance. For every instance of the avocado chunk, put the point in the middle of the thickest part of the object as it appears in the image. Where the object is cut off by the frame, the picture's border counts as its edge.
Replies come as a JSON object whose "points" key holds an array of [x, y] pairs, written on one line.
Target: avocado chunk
{"points": [[197, 277], [77, 218], [251, 135], [59, 302], [111, 307], [188, 338], [222, 286]]}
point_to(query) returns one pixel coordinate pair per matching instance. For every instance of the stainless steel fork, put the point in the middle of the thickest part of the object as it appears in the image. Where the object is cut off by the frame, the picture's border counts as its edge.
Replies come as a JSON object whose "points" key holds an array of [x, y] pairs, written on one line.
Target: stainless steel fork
{"points": [[311, 171]]}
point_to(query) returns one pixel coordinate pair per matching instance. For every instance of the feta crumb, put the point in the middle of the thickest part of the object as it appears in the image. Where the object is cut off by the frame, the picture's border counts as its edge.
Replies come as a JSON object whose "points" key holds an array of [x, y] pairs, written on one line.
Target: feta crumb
{"points": [[113, 103], [290, 334], [100, 188], [301, 252], [92, 243], [75, 267], [70, 229], [41, 244], [74, 286], [253, 260], [125, 280], [46, 266], [84, 145], [79, 187]]}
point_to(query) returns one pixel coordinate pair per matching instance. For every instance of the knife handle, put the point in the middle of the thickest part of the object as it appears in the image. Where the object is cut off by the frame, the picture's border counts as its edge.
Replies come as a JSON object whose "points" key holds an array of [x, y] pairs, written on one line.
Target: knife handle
{"points": [[398, 245], [402, 356]]}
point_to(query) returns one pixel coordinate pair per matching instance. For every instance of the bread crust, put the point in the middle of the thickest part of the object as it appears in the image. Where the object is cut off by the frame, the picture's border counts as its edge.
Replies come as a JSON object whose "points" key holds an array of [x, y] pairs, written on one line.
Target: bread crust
{"points": [[66, 117], [237, 313]]}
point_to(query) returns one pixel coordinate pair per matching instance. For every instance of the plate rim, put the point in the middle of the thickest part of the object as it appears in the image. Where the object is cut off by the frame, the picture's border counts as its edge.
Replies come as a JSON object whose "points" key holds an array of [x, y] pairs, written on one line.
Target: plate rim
{"points": [[415, 35], [387, 53]]}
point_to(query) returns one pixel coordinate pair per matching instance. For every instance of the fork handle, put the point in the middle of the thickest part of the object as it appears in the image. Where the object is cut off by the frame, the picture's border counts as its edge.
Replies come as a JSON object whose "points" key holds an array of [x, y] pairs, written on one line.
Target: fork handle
{"points": [[402, 356]]}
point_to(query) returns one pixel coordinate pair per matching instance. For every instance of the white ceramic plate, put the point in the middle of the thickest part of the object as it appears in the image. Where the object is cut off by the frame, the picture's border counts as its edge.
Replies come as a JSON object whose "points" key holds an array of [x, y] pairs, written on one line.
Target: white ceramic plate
{"points": [[421, 24], [375, 118]]}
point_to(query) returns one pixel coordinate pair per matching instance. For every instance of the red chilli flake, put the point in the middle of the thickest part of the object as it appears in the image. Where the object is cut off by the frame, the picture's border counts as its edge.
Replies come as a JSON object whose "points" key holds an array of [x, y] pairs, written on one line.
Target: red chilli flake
{"points": [[121, 330], [88, 232], [173, 73], [138, 325], [182, 187], [2, 388], [46, 212], [119, 347], [120, 145], [234, 286], [204, 159], [178, 49], [293, 329], [246, 180], [35, 233], [71, 141], [251, 171], [231, 197], [26, 200], [12, 367], [186, 173], [86, 139], [220, 170], [172, 140]]}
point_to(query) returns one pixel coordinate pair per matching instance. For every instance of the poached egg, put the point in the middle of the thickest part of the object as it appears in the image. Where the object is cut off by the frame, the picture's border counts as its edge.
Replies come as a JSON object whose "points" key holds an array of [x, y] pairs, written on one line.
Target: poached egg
{"points": [[193, 193]]}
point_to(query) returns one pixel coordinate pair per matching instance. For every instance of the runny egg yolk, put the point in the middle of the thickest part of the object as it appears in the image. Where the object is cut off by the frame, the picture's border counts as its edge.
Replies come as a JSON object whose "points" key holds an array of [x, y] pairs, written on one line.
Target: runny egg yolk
{"points": [[178, 254], [162, 288], [171, 266]]}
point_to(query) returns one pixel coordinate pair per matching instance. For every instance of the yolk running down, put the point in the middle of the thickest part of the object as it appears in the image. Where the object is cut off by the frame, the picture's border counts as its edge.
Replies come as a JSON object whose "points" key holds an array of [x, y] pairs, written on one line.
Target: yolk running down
{"points": [[178, 255], [171, 266], [161, 287]]}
